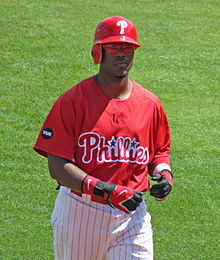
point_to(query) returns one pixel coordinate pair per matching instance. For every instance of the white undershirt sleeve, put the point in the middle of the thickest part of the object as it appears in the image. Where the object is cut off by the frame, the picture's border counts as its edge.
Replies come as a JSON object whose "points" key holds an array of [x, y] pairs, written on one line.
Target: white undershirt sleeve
{"points": [[160, 167]]}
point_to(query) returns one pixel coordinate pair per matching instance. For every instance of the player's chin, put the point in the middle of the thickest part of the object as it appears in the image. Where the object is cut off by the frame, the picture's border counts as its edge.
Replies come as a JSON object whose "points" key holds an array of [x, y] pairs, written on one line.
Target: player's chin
{"points": [[121, 73], [121, 76]]}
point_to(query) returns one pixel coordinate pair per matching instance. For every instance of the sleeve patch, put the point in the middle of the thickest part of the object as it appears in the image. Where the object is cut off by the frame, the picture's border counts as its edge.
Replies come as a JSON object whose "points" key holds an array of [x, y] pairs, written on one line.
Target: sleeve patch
{"points": [[47, 133]]}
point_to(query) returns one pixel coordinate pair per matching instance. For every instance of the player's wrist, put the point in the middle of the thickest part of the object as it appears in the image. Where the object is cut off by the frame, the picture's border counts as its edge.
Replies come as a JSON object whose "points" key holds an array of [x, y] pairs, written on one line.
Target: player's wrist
{"points": [[93, 186], [88, 184], [168, 175]]}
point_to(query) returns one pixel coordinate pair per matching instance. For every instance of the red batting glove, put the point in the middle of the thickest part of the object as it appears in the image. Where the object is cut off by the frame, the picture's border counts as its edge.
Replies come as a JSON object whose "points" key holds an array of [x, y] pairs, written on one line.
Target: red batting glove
{"points": [[118, 196], [164, 184], [125, 198]]}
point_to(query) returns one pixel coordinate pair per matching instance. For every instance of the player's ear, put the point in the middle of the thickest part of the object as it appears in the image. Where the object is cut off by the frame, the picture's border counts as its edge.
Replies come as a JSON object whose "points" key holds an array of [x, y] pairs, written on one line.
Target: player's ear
{"points": [[97, 53]]}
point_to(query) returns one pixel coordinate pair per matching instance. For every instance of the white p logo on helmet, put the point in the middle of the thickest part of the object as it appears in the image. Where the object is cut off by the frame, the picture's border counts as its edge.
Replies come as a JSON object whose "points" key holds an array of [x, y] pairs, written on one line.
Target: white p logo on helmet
{"points": [[123, 25]]}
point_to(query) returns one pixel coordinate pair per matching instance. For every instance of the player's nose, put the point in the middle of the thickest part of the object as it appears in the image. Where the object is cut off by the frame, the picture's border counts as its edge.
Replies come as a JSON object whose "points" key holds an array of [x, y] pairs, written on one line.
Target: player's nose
{"points": [[121, 53]]}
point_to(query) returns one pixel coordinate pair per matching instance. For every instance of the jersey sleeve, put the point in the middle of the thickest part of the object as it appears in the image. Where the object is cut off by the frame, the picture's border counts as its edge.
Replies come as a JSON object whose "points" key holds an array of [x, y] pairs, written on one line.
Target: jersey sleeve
{"points": [[57, 135], [162, 139]]}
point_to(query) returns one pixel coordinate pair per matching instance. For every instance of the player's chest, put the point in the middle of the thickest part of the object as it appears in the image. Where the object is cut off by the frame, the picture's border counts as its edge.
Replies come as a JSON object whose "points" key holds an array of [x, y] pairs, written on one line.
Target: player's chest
{"points": [[117, 135], [118, 118]]}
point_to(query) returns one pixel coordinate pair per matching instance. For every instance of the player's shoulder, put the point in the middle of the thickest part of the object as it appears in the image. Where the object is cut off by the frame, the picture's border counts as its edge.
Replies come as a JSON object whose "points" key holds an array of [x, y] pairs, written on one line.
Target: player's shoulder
{"points": [[145, 94], [80, 86], [76, 92]]}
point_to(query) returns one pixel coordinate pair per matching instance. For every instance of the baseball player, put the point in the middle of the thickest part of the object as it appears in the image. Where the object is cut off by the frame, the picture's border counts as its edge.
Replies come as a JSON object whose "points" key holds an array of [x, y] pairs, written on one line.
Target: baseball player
{"points": [[102, 138]]}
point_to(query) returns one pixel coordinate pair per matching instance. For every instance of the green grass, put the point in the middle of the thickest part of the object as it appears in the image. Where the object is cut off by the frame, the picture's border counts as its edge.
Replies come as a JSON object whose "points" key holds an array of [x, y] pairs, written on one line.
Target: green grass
{"points": [[45, 49]]}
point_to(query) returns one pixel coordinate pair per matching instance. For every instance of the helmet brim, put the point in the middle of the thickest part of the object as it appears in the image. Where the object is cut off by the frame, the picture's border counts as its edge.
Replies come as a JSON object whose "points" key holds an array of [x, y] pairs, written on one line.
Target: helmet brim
{"points": [[121, 39]]}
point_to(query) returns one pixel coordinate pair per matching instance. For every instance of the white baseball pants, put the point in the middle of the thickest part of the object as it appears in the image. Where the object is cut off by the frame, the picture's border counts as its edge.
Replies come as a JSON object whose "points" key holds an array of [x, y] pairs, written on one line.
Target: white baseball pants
{"points": [[86, 230]]}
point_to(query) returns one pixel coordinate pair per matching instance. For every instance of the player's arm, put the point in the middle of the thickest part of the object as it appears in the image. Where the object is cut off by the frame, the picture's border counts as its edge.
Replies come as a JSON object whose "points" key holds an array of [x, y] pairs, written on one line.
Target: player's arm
{"points": [[65, 172], [74, 178], [159, 168]]}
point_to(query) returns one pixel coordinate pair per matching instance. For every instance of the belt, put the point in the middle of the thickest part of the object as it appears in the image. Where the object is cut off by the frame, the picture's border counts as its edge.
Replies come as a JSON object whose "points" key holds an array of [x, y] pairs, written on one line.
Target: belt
{"points": [[93, 198]]}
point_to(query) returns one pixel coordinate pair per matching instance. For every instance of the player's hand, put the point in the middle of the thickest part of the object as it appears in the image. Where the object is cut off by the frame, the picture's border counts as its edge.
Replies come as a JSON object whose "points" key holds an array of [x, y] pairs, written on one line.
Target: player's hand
{"points": [[163, 187], [118, 196], [122, 197]]}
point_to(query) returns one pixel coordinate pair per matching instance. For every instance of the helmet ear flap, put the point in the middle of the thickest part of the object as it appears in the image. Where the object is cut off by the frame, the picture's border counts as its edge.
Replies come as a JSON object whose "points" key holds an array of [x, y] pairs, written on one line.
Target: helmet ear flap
{"points": [[97, 53]]}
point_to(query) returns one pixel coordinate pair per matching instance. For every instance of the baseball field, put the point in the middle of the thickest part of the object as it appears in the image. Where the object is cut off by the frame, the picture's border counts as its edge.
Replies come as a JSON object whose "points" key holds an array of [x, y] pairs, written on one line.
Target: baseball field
{"points": [[45, 49]]}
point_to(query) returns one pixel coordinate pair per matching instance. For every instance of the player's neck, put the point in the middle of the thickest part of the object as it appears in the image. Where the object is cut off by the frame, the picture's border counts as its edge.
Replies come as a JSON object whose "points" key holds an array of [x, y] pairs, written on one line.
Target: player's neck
{"points": [[117, 88]]}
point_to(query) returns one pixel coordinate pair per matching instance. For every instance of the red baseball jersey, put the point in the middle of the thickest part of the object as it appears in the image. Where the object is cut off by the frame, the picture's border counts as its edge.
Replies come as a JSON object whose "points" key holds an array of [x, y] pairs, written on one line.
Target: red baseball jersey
{"points": [[120, 141]]}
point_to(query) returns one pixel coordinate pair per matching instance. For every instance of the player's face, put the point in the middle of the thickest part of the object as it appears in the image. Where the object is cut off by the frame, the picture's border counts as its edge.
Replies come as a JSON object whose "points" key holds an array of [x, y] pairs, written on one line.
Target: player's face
{"points": [[117, 59]]}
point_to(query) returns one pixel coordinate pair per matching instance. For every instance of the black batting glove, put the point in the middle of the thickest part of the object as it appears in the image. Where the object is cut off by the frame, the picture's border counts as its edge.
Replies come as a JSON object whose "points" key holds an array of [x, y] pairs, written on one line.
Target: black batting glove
{"points": [[163, 187]]}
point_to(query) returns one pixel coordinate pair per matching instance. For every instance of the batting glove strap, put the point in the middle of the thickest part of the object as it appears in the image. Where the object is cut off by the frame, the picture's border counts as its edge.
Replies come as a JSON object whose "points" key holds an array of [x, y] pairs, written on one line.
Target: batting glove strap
{"points": [[93, 186], [163, 187], [104, 190]]}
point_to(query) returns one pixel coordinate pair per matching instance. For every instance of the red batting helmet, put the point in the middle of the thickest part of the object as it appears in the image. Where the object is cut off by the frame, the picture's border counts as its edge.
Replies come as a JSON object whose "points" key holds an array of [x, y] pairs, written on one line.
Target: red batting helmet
{"points": [[113, 29]]}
